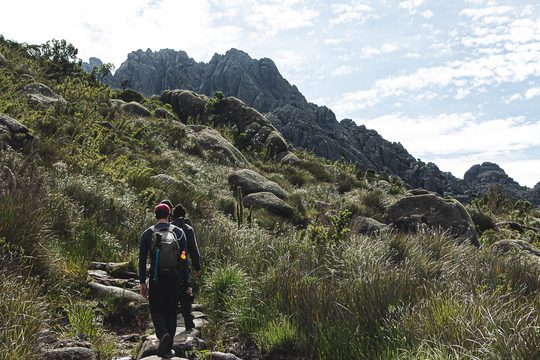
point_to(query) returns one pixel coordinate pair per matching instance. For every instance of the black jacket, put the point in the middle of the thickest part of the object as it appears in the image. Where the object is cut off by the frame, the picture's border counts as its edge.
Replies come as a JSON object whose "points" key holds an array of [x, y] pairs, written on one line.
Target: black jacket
{"points": [[192, 248]]}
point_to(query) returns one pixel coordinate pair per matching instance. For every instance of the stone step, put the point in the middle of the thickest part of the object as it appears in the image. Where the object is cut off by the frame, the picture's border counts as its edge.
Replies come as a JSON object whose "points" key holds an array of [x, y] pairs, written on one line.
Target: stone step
{"points": [[182, 342]]}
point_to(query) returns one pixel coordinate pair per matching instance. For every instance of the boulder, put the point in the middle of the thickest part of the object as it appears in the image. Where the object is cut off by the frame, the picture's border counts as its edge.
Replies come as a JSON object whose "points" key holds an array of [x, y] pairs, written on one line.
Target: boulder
{"points": [[122, 270], [447, 215], [215, 146], [186, 104], [268, 201], [69, 353], [134, 108], [105, 292], [520, 246], [511, 225], [288, 157], [41, 96], [217, 355], [252, 182], [13, 133], [164, 114], [364, 225]]}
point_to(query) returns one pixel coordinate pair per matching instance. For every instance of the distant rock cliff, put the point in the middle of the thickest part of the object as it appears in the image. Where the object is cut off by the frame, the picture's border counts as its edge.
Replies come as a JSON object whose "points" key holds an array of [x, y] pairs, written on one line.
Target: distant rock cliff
{"points": [[259, 84]]}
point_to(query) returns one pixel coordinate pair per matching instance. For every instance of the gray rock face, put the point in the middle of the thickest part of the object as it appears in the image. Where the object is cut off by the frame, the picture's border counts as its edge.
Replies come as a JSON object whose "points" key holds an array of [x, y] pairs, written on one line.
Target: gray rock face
{"points": [[217, 146], [69, 353], [41, 95], [430, 210], [268, 201], [480, 178], [92, 63], [13, 133], [164, 114], [252, 182]]}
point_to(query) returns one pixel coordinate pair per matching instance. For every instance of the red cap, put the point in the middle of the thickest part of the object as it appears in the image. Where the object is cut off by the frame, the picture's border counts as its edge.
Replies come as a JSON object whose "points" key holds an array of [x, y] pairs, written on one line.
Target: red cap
{"points": [[162, 211]]}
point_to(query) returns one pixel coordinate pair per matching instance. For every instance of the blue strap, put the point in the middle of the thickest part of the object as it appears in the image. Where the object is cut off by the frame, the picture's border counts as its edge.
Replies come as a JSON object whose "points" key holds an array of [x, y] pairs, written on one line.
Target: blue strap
{"points": [[156, 263]]}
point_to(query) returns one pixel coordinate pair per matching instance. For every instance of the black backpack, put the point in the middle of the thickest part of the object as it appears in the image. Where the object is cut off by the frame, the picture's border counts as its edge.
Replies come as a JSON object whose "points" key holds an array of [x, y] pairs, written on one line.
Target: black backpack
{"points": [[167, 252]]}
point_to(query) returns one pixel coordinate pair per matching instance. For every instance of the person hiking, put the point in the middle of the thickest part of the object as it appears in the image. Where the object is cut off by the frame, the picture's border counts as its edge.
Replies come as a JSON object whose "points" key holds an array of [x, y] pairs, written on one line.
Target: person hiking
{"points": [[186, 299], [168, 277]]}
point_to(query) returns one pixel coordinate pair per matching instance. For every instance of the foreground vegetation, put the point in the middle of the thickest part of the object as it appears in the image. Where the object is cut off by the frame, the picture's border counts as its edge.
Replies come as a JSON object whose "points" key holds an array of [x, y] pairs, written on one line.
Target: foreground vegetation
{"points": [[303, 288]]}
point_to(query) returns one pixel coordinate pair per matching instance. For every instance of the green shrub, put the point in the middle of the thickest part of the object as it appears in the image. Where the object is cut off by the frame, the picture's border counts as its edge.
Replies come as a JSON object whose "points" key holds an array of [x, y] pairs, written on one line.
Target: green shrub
{"points": [[279, 335], [482, 220]]}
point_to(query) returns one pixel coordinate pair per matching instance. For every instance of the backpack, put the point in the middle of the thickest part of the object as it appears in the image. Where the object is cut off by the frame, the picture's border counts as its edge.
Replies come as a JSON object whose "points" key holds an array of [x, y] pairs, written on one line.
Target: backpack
{"points": [[165, 249]]}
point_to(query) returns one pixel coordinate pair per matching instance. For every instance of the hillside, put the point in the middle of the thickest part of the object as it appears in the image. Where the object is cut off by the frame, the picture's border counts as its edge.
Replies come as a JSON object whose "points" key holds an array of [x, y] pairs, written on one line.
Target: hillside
{"points": [[315, 128], [303, 257]]}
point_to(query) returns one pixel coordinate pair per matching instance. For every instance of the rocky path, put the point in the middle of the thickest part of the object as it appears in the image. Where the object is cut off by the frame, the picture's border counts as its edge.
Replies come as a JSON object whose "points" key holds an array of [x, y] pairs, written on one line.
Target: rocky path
{"points": [[115, 280]]}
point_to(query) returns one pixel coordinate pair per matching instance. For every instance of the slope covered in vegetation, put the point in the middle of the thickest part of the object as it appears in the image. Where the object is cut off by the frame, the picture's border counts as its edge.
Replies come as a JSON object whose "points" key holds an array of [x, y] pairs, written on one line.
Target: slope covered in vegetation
{"points": [[81, 172]]}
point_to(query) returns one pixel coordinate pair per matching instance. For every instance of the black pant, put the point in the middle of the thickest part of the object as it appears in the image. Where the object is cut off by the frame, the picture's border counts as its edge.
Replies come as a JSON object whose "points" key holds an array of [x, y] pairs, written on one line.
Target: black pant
{"points": [[164, 294], [185, 308]]}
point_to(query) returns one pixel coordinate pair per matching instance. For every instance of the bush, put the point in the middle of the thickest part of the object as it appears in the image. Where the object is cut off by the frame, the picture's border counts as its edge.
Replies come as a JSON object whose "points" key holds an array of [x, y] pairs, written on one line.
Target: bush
{"points": [[279, 336]]}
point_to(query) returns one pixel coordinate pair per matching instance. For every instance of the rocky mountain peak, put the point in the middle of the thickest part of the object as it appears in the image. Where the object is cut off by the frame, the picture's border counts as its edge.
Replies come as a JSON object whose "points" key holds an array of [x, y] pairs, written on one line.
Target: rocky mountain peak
{"points": [[259, 84]]}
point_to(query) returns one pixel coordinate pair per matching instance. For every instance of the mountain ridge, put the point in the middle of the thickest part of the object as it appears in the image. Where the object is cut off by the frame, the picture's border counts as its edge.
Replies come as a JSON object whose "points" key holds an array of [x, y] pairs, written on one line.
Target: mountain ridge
{"points": [[260, 85]]}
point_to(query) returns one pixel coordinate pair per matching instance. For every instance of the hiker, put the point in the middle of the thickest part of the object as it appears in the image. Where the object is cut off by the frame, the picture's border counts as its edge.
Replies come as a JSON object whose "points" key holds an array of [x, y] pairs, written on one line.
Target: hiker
{"points": [[186, 299], [168, 278]]}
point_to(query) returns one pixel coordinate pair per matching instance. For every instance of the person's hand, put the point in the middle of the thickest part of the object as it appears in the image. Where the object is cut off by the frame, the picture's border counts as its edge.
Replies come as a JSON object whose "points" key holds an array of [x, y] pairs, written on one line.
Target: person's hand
{"points": [[197, 274], [143, 290], [189, 291]]}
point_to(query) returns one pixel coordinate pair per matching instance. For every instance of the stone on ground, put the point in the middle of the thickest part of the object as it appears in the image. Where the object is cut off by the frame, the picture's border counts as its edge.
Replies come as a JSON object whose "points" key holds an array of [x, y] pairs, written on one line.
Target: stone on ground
{"points": [[69, 353], [41, 95], [267, 201], [365, 225], [447, 215], [13, 134], [215, 146], [252, 182]]}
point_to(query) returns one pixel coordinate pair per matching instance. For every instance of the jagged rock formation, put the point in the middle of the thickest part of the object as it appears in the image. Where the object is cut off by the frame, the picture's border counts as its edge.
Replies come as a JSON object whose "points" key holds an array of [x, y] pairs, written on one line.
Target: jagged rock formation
{"points": [[482, 177], [259, 84]]}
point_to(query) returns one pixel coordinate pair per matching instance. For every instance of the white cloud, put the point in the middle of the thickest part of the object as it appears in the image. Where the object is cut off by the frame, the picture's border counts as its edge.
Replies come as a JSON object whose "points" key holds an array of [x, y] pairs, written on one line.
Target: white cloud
{"points": [[273, 17], [343, 70], [411, 5], [368, 51], [427, 14], [112, 29], [528, 95], [358, 11]]}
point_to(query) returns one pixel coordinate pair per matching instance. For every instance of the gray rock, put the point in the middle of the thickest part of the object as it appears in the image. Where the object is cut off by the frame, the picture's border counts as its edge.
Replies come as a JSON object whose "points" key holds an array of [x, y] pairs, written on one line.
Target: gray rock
{"points": [[134, 108], [217, 355], [520, 246], [215, 146], [268, 201], [443, 214], [289, 158], [42, 96], [512, 225], [13, 134], [105, 292], [182, 342], [164, 114], [252, 182], [70, 353], [122, 270], [364, 225]]}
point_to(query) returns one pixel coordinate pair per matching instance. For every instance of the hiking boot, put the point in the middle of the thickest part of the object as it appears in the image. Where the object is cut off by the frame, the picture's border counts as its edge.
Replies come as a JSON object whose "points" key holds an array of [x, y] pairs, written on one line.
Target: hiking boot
{"points": [[169, 355], [165, 344]]}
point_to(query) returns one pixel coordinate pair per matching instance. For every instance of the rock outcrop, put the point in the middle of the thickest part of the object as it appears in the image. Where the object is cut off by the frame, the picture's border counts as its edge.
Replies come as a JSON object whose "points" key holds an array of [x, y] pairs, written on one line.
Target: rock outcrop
{"points": [[214, 146], [131, 108], [41, 96], [448, 215], [13, 134], [250, 129], [268, 201], [252, 182]]}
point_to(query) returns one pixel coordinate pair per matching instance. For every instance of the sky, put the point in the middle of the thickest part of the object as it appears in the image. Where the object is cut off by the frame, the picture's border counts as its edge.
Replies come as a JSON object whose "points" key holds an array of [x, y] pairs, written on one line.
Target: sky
{"points": [[456, 82]]}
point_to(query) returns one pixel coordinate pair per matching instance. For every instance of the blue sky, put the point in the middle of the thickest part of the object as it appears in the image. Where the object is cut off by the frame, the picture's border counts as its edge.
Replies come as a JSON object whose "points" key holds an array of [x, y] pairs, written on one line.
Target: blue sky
{"points": [[456, 82]]}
